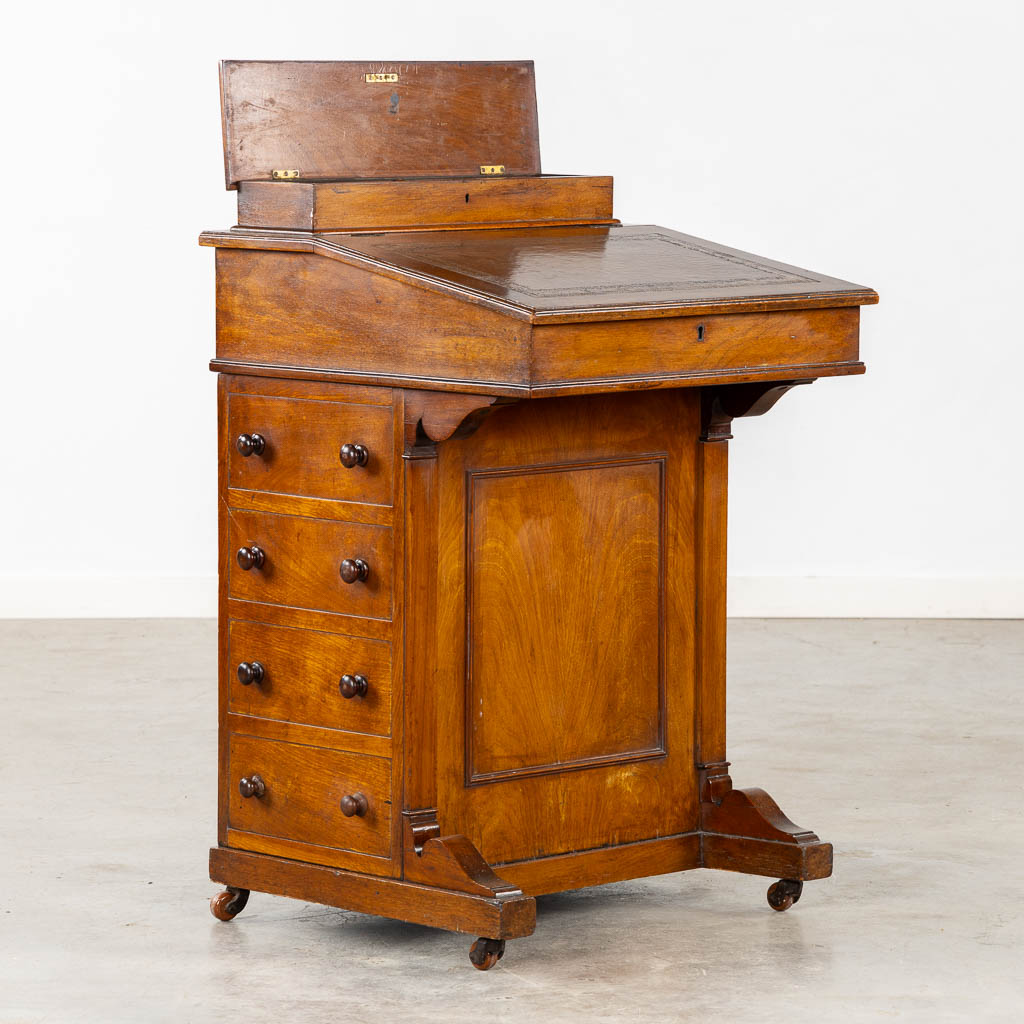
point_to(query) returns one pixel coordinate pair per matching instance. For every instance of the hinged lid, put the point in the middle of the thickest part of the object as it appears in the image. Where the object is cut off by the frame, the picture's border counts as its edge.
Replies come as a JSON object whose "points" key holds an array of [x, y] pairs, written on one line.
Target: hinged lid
{"points": [[329, 120]]}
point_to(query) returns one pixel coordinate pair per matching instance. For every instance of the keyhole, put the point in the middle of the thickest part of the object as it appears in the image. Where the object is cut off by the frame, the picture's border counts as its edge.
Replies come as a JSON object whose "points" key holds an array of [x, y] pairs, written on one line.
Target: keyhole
{"points": [[700, 332], [467, 197]]}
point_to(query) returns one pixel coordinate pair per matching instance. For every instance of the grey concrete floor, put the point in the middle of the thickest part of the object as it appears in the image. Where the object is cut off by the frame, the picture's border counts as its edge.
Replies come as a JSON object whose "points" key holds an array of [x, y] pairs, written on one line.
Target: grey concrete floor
{"points": [[899, 741]]}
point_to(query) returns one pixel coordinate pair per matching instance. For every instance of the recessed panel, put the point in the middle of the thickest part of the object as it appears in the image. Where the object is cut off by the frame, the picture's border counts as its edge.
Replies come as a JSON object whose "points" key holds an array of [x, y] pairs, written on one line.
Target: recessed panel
{"points": [[564, 651]]}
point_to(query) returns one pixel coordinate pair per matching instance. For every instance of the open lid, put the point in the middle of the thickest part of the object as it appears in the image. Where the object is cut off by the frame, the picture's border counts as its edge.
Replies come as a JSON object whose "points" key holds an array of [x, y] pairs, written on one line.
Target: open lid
{"points": [[367, 119]]}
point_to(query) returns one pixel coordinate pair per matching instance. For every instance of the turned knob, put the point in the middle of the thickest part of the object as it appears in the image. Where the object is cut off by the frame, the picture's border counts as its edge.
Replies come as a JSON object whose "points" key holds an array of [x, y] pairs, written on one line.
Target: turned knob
{"points": [[250, 444], [251, 557], [354, 803], [353, 455], [353, 686], [251, 785], [353, 570], [250, 672]]}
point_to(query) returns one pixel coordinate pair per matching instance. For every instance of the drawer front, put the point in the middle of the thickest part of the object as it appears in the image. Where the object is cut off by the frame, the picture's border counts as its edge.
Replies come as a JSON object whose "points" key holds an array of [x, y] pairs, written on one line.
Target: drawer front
{"points": [[301, 792], [301, 448], [294, 675], [301, 559]]}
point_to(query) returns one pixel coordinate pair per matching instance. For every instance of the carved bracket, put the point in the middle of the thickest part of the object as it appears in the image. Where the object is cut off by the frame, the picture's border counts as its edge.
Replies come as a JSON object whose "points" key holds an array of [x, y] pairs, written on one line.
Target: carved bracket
{"points": [[434, 416], [449, 862], [721, 405], [750, 813]]}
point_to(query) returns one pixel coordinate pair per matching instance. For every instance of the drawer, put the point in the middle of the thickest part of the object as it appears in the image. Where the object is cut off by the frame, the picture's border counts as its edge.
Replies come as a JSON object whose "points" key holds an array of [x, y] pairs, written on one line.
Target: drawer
{"points": [[294, 676], [300, 793], [301, 448], [301, 563]]}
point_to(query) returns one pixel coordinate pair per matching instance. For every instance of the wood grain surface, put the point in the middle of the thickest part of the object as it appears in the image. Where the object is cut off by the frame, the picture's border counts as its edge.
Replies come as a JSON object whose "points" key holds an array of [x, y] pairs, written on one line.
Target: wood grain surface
{"points": [[302, 670], [303, 440], [565, 616], [427, 203], [637, 797], [304, 788], [303, 559], [420, 904], [325, 120]]}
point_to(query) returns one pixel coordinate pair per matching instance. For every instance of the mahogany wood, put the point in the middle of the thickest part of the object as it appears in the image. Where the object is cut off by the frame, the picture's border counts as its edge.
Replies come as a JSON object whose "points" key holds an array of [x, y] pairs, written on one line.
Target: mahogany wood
{"points": [[473, 499], [609, 864], [305, 311], [302, 563], [302, 446], [437, 202], [576, 459], [312, 735], [507, 917], [301, 673], [610, 704], [301, 793], [309, 312], [438, 118]]}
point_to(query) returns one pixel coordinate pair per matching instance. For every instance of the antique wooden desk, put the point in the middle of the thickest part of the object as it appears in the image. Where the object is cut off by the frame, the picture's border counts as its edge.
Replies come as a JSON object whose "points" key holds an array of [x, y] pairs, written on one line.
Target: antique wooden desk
{"points": [[473, 442]]}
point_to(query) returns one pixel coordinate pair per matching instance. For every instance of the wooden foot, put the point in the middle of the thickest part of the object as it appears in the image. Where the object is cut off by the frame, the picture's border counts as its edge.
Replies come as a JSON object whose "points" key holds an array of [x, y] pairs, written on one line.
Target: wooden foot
{"points": [[449, 862], [485, 953], [506, 916], [229, 903], [784, 893], [744, 830]]}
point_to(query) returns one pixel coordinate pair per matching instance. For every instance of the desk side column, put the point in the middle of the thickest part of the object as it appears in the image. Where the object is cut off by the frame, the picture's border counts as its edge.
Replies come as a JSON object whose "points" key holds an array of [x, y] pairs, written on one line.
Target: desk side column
{"points": [[438, 863], [742, 829]]}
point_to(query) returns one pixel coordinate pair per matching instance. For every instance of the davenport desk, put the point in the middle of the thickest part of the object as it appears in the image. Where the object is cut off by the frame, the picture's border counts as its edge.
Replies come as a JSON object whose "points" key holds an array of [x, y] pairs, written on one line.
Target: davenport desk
{"points": [[473, 469]]}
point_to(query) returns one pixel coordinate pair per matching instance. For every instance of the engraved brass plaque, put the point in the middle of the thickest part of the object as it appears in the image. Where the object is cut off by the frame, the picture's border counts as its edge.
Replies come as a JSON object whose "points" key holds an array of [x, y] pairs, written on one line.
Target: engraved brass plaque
{"points": [[390, 77]]}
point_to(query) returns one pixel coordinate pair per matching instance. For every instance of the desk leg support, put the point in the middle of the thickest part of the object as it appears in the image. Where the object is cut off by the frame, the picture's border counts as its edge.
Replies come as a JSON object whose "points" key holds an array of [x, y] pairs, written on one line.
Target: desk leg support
{"points": [[741, 829], [745, 830], [452, 864], [455, 886]]}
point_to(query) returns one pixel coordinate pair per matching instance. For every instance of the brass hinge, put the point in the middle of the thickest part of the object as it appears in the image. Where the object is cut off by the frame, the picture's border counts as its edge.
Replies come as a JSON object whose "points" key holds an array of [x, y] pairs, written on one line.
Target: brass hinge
{"points": [[489, 170], [286, 175], [390, 77]]}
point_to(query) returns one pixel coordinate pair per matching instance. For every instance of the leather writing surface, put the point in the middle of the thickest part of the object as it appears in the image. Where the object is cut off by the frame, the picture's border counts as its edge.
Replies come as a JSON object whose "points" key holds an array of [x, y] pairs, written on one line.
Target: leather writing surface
{"points": [[590, 267]]}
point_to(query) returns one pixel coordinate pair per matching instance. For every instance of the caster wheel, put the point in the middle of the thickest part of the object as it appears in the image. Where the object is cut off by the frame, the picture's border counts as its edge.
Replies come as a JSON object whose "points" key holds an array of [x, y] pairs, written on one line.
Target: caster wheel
{"points": [[228, 904], [784, 893], [485, 953]]}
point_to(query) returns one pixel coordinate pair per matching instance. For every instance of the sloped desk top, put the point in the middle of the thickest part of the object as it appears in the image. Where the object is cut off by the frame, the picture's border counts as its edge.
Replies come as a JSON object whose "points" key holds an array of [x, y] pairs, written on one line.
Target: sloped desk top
{"points": [[551, 275], [537, 311], [587, 270]]}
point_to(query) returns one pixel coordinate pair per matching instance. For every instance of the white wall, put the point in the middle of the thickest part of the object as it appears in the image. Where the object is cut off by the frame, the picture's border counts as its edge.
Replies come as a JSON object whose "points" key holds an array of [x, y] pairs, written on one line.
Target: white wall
{"points": [[878, 141]]}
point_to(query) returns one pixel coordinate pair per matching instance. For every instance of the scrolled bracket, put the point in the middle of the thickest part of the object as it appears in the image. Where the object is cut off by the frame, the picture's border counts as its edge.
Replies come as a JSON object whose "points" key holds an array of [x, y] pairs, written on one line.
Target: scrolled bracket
{"points": [[721, 405], [435, 416]]}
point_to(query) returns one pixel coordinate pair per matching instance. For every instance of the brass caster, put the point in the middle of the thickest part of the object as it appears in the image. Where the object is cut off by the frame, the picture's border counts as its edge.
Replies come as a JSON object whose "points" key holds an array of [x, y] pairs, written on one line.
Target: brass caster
{"points": [[485, 953], [784, 893], [228, 904]]}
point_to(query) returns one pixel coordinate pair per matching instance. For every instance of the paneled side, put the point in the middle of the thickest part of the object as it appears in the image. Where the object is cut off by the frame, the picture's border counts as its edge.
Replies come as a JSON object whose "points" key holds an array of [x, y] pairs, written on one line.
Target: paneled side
{"points": [[530, 530], [564, 678], [301, 310]]}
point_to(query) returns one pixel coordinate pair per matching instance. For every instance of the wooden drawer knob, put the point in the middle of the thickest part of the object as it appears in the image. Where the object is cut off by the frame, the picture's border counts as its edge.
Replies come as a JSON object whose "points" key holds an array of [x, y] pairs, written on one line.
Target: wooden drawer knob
{"points": [[353, 686], [353, 570], [251, 444], [250, 672], [354, 804], [353, 455], [252, 557], [251, 785]]}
